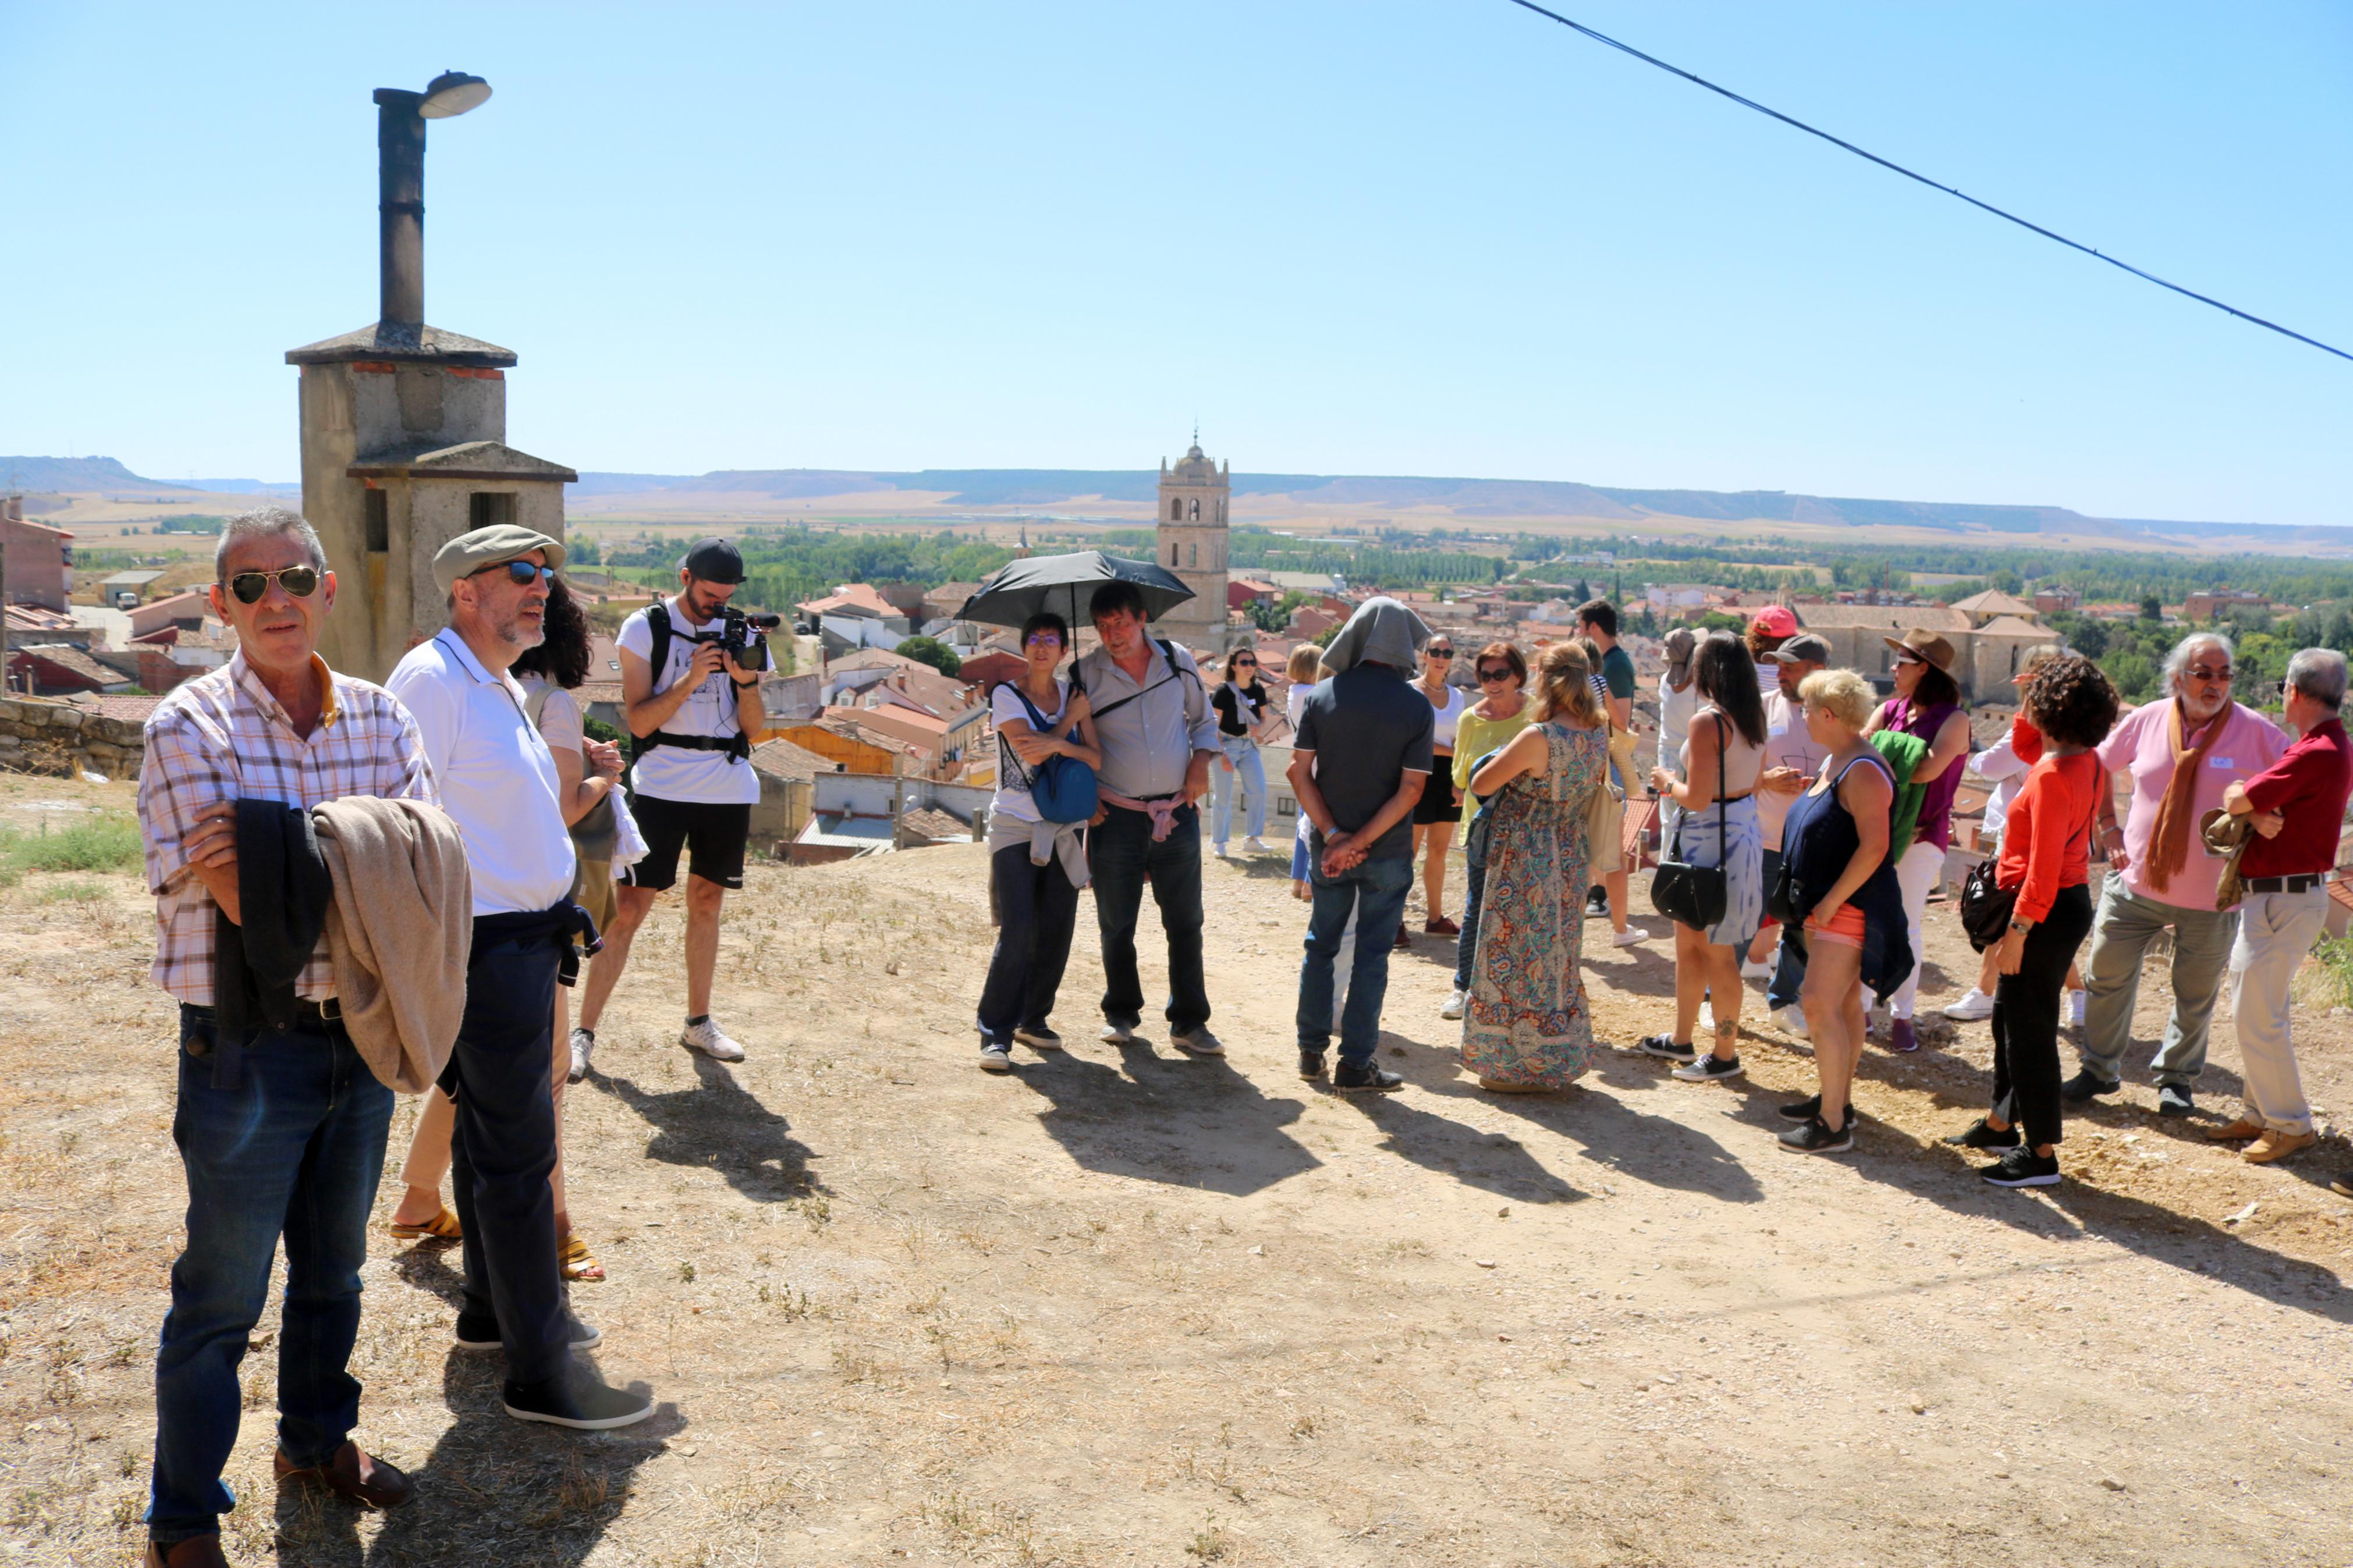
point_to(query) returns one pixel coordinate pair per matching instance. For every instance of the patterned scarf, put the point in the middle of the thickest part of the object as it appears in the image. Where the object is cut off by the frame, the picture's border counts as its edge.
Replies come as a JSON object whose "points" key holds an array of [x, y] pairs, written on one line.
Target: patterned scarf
{"points": [[2168, 844]]}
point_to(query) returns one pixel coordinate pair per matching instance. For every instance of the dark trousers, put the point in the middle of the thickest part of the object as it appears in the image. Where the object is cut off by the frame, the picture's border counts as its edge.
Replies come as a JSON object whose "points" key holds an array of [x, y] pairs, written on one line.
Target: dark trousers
{"points": [[1374, 892], [1123, 857], [503, 1149], [1035, 908], [2026, 1018], [1466, 946], [294, 1150]]}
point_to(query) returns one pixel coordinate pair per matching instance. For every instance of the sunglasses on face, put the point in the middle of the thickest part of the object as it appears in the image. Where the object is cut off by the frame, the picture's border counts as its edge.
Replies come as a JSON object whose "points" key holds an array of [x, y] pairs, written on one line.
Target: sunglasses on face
{"points": [[1438, 653], [522, 574], [1487, 675], [1245, 664], [2207, 672], [302, 582]]}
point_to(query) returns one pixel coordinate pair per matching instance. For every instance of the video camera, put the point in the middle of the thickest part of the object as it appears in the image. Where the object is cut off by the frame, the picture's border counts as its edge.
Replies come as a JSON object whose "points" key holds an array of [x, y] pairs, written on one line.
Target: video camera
{"points": [[740, 636]]}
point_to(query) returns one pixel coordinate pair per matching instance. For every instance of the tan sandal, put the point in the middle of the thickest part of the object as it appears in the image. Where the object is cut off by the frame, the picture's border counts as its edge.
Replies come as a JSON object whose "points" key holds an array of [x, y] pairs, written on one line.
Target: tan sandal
{"points": [[573, 1258], [442, 1226]]}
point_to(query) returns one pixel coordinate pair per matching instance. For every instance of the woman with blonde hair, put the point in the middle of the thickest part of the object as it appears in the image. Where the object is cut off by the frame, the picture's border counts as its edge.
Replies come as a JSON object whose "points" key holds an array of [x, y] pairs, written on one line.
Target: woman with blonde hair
{"points": [[1841, 897], [1527, 1029]]}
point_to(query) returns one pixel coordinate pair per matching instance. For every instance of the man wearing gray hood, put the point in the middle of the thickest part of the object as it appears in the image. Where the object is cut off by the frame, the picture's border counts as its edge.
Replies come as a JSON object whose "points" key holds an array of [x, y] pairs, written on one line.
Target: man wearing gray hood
{"points": [[1371, 732]]}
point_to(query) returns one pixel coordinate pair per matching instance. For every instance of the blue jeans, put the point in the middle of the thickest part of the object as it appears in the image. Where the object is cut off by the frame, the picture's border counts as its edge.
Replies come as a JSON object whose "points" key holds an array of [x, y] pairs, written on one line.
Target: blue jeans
{"points": [[1375, 891], [1123, 857], [1249, 776], [1466, 946], [1035, 908], [294, 1150], [501, 1150]]}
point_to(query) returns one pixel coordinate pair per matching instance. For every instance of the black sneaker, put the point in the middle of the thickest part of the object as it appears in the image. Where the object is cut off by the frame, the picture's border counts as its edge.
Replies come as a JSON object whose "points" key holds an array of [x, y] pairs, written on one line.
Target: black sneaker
{"points": [[2174, 1099], [577, 1399], [482, 1334], [1311, 1064], [1597, 903], [1978, 1136], [2022, 1167], [1372, 1077], [1667, 1046], [2343, 1183], [2084, 1086], [1808, 1109], [1814, 1136]]}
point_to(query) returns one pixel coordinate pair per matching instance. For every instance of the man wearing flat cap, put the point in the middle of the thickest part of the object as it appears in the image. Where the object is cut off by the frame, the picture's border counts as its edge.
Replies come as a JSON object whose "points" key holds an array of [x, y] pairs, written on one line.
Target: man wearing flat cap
{"points": [[693, 711], [498, 781]]}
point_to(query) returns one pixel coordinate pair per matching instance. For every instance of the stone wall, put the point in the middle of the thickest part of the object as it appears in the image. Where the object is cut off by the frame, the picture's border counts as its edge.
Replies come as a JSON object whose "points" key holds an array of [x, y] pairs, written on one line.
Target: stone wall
{"points": [[56, 738]]}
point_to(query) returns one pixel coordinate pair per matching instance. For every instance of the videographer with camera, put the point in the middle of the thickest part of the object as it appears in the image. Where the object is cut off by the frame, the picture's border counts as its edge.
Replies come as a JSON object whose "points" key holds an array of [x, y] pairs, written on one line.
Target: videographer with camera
{"points": [[690, 668]]}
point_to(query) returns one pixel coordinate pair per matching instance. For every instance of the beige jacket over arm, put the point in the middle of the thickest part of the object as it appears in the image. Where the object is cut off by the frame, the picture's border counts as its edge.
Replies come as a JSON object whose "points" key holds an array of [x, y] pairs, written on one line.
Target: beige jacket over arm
{"points": [[399, 931]]}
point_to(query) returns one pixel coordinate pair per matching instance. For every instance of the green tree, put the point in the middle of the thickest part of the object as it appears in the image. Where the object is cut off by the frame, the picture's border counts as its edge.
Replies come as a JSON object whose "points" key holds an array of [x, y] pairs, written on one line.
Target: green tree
{"points": [[2134, 676], [2009, 581], [931, 651], [2151, 607]]}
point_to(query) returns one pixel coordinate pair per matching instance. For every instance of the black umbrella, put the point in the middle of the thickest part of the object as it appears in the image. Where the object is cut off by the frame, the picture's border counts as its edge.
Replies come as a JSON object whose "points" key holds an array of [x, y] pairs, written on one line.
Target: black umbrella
{"points": [[1064, 584]]}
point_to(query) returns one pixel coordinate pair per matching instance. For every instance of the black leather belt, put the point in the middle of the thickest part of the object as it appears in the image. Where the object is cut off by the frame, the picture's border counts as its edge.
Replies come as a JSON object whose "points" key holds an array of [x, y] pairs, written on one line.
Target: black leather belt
{"points": [[318, 1014], [2302, 883]]}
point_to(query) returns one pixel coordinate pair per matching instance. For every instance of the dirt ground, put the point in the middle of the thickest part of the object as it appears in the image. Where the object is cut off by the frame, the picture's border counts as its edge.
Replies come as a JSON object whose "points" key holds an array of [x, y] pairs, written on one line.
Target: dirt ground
{"points": [[1125, 1307]]}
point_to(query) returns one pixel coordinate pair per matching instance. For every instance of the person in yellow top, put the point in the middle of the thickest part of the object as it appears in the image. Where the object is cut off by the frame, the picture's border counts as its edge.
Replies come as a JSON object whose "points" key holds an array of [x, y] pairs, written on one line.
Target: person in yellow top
{"points": [[1501, 712]]}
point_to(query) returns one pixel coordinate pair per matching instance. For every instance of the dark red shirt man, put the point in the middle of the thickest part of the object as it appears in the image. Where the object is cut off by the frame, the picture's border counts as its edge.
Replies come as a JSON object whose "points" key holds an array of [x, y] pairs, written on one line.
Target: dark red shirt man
{"points": [[2307, 787]]}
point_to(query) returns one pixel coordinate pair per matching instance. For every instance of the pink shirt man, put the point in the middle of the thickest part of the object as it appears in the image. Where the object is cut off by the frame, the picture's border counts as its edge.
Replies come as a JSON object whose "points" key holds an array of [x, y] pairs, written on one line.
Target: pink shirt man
{"points": [[2142, 746]]}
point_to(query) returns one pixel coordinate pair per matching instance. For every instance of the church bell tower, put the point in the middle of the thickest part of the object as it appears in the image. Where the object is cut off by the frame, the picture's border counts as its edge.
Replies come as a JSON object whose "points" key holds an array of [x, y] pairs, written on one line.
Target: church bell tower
{"points": [[1192, 544]]}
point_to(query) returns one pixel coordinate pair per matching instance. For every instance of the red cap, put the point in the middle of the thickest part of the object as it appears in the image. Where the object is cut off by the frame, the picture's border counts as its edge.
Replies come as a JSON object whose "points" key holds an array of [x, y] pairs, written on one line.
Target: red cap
{"points": [[1775, 621]]}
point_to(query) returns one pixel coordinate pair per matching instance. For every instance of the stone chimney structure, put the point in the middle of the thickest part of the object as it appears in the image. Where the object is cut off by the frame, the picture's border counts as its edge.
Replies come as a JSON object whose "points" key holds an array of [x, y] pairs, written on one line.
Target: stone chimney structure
{"points": [[1192, 544], [404, 437]]}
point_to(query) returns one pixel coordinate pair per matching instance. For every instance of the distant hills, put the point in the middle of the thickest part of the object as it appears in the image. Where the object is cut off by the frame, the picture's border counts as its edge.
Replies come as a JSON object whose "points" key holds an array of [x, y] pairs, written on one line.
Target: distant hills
{"points": [[1498, 502]]}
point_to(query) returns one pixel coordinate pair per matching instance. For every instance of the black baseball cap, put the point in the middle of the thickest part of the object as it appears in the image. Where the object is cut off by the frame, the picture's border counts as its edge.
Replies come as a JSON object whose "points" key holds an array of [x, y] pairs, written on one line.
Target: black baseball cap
{"points": [[714, 560]]}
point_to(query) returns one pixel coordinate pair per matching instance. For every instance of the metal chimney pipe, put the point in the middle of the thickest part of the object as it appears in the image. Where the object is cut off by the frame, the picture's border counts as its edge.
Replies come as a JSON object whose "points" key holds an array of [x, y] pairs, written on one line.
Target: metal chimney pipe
{"points": [[400, 180]]}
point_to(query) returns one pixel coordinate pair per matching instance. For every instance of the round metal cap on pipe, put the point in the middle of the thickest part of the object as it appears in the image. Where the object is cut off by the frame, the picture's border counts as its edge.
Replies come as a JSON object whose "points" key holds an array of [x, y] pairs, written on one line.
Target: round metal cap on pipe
{"points": [[452, 93]]}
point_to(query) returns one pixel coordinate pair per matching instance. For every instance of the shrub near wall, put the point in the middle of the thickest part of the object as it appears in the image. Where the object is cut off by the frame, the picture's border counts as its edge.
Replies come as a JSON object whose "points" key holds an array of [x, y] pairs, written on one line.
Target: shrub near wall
{"points": [[61, 740]]}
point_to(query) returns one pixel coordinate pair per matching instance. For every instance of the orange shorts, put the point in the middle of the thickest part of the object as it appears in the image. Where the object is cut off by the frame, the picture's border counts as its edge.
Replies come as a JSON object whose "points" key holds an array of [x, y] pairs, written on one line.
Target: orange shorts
{"points": [[1846, 930]]}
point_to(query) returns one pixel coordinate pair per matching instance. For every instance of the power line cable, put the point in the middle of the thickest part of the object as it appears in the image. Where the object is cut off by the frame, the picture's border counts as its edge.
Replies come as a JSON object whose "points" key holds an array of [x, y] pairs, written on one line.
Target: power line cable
{"points": [[1600, 37]]}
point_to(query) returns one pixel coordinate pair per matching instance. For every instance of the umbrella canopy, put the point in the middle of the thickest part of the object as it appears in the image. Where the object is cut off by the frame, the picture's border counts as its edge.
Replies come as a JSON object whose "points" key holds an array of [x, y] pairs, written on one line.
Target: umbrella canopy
{"points": [[1064, 584]]}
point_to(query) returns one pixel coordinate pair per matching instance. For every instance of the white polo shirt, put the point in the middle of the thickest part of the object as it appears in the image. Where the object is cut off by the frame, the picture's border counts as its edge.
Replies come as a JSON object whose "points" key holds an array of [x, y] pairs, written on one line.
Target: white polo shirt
{"points": [[496, 775]]}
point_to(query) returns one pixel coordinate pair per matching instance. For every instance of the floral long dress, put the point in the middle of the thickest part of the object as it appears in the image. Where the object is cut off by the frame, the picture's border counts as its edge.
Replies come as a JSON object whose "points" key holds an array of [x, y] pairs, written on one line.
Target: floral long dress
{"points": [[1528, 1021]]}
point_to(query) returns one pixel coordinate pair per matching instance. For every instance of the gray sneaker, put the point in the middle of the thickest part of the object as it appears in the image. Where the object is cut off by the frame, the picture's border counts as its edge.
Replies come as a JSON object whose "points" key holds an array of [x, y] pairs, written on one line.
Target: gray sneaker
{"points": [[1117, 1034], [1038, 1039], [583, 1042], [993, 1058], [1199, 1042]]}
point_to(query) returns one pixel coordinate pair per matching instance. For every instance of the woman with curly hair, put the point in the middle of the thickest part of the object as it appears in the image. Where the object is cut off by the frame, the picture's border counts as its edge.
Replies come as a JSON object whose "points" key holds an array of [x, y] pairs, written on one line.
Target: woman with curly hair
{"points": [[2046, 862]]}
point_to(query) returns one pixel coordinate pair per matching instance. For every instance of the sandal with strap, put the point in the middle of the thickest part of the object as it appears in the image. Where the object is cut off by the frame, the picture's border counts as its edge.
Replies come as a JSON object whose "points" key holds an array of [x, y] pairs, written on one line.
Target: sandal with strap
{"points": [[442, 1226], [573, 1258]]}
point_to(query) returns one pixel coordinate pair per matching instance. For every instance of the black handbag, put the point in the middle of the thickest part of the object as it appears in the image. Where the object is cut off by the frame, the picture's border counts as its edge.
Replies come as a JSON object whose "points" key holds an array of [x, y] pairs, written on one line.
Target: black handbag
{"points": [[1690, 895]]}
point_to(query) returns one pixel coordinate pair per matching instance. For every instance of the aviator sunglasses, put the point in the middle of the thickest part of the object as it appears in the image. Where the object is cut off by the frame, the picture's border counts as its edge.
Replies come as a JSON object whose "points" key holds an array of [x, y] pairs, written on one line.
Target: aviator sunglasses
{"points": [[302, 582]]}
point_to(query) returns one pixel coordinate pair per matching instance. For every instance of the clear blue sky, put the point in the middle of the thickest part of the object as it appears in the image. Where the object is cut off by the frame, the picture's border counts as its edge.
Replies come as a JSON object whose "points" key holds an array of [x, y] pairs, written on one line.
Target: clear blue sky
{"points": [[1437, 238]]}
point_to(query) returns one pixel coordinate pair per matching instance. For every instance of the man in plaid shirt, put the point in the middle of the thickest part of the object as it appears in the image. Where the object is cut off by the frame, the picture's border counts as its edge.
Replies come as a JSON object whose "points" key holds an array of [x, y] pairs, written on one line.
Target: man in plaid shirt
{"points": [[282, 1133]]}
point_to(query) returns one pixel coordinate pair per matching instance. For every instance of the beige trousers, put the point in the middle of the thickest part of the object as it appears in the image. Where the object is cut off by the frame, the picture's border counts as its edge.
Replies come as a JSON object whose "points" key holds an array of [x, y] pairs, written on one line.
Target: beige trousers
{"points": [[2276, 931]]}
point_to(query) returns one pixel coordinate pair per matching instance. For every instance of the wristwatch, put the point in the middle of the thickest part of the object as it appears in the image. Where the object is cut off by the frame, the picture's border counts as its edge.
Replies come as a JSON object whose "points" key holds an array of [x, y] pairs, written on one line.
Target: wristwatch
{"points": [[2021, 925]]}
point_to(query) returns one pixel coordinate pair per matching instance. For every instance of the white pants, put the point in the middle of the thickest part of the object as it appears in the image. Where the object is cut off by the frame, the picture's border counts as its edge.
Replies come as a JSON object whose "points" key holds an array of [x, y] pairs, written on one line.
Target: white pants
{"points": [[2276, 931], [1916, 874]]}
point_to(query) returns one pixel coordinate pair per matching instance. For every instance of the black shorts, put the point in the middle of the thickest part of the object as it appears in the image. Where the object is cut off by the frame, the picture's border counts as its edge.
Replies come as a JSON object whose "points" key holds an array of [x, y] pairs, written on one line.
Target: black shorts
{"points": [[714, 836], [1438, 803]]}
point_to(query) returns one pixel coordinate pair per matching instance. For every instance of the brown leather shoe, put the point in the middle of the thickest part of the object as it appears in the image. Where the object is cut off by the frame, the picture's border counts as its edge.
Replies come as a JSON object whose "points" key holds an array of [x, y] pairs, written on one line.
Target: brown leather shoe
{"points": [[2239, 1132], [353, 1474], [2278, 1145], [197, 1552]]}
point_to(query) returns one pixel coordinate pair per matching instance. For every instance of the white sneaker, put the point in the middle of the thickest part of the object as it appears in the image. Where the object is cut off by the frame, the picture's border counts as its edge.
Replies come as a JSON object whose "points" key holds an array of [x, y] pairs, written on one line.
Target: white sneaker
{"points": [[1631, 936], [2077, 1001], [1973, 1006], [707, 1039], [583, 1042], [1792, 1020], [1117, 1034], [1753, 970], [1255, 845], [1455, 1002], [1706, 1024], [1219, 851]]}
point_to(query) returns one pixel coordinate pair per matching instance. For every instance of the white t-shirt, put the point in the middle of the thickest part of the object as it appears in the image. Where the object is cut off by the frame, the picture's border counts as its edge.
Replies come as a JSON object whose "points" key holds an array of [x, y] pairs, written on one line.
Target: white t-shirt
{"points": [[1675, 710], [1788, 744], [1012, 800], [1443, 720], [674, 773]]}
